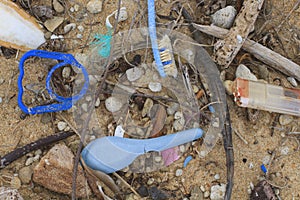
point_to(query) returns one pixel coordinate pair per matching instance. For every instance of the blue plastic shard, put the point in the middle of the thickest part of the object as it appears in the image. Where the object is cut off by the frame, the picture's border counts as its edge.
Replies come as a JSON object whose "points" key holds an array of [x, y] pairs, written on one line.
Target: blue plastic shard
{"points": [[110, 154], [187, 160]]}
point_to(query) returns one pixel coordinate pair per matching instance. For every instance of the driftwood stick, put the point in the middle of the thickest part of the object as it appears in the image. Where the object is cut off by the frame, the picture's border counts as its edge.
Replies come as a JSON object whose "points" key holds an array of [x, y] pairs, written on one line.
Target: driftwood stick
{"points": [[226, 49], [262, 53]]}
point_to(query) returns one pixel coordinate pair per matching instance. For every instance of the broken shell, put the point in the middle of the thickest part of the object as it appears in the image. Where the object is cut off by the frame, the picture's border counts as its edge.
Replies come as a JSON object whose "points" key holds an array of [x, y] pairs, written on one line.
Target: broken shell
{"points": [[122, 15], [22, 32]]}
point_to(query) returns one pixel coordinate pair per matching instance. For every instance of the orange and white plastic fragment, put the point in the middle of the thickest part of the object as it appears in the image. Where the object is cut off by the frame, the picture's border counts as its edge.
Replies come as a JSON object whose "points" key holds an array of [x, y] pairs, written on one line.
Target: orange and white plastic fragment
{"points": [[263, 96]]}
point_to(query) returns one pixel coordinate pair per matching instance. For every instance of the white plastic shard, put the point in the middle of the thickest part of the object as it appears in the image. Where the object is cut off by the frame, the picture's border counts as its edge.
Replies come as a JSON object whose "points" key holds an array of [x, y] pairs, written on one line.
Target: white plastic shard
{"points": [[18, 29]]}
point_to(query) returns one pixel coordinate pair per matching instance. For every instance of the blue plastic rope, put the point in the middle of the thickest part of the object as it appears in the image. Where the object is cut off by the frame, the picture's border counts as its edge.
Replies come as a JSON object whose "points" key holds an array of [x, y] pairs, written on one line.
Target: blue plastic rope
{"points": [[65, 102], [153, 37]]}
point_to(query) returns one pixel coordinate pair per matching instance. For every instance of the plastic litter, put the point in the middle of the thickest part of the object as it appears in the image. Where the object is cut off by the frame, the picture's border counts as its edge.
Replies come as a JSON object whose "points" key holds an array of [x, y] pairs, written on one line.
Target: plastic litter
{"points": [[65, 103], [263, 168], [259, 95], [187, 160], [109, 154]]}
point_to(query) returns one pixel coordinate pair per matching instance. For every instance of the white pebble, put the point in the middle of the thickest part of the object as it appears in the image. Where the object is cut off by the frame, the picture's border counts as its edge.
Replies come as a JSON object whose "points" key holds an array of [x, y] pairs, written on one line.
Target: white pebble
{"points": [[113, 104], [172, 108], [284, 151], [202, 188], [1, 100], [150, 181], [217, 176], [157, 158], [178, 115], [179, 172], [84, 107], [80, 28], [72, 9], [134, 74], [38, 152], [182, 148], [66, 72], [243, 72], [119, 131], [292, 81], [76, 7], [61, 125], [206, 194], [29, 161], [97, 103], [224, 17], [94, 6], [69, 27], [79, 36], [155, 86], [217, 192], [285, 119], [179, 124], [122, 15]]}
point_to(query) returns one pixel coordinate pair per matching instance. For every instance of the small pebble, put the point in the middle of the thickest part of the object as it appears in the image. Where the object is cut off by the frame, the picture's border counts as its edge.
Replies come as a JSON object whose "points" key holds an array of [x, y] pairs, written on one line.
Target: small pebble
{"points": [[61, 125], [29, 161], [243, 72], [179, 172], [158, 158], [94, 6], [179, 124], [38, 152], [195, 89], [217, 192], [224, 17], [206, 194], [202, 188], [277, 191], [84, 107], [80, 28], [25, 174], [147, 107], [113, 104], [217, 176], [72, 9], [57, 6], [79, 36], [76, 7], [228, 84], [249, 191], [122, 15], [292, 81], [284, 150], [66, 72], [119, 132], [53, 23], [178, 115], [150, 181], [97, 103], [285, 119], [182, 148], [69, 27], [134, 74], [155, 86], [172, 108], [1, 100]]}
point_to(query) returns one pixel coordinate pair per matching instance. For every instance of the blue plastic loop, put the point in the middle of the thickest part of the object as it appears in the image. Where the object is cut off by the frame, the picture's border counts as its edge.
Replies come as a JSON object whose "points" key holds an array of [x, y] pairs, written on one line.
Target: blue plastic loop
{"points": [[65, 102]]}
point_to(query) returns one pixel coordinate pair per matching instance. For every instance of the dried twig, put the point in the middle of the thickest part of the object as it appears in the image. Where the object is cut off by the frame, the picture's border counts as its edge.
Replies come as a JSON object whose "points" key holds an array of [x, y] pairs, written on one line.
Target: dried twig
{"points": [[262, 53], [21, 151]]}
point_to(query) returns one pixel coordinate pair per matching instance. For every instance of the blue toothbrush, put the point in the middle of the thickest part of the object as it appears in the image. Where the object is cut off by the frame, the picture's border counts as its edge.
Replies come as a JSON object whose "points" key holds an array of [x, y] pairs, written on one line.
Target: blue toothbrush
{"points": [[110, 154]]}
